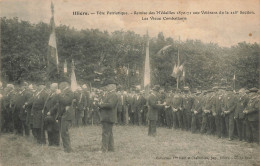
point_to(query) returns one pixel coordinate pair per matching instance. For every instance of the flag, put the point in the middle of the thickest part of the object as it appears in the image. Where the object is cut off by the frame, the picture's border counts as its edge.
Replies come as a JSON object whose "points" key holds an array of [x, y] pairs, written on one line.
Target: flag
{"points": [[73, 80], [147, 65], [65, 67], [183, 75], [52, 57], [177, 70], [174, 71], [234, 77]]}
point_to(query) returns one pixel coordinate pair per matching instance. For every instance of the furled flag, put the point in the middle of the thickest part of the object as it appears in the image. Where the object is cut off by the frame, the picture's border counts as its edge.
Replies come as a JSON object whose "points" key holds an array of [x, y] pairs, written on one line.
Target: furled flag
{"points": [[147, 65], [234, 78], [73, 80], [52, 57]]}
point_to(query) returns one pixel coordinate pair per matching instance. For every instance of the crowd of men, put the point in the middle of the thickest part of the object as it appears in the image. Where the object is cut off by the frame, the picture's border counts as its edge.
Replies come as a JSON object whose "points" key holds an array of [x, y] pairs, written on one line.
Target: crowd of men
{"points": [[53, 109]]}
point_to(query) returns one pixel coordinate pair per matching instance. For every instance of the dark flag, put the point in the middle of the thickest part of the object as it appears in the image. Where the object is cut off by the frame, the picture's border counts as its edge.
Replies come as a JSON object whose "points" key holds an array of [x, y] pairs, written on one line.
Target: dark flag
{"points": [[52, 57]]}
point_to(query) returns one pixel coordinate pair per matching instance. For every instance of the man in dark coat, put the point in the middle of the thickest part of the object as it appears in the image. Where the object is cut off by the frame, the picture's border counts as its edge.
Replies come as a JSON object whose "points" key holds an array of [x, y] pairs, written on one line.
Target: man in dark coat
{"points": [[217, 109], [168, 110], [153, 108], [51, 125], [230, 101], [86, 101], [38, 112], [252, 116], [22, 96], [177, 107], [66, 114], [196, 113], [188, 100], [239, 115], [131, 110], [139, 103], [108, 113], [7, 107]]}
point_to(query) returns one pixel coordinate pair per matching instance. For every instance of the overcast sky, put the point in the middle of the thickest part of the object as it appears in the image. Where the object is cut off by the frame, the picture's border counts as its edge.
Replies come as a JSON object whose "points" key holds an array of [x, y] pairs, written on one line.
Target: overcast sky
{"points": [[226, 30]]}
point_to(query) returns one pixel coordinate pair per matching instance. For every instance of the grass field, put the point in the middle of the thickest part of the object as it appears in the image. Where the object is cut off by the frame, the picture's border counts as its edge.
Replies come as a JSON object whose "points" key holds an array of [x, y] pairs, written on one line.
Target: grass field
{"points": [[132, 147]]}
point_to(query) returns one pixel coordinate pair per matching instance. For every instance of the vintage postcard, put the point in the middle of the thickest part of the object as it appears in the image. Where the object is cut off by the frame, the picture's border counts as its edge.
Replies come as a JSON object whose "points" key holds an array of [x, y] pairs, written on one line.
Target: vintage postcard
{"points": [[129, 82]]}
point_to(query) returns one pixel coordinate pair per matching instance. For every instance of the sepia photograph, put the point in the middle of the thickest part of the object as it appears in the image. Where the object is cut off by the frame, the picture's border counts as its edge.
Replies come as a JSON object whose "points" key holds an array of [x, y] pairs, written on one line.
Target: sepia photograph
{"points": [[129, 82]]}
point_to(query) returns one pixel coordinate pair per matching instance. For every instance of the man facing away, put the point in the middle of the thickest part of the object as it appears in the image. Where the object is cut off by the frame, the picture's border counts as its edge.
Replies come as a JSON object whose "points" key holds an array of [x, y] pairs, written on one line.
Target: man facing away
{"points": [[153, 108], [108, 114]]}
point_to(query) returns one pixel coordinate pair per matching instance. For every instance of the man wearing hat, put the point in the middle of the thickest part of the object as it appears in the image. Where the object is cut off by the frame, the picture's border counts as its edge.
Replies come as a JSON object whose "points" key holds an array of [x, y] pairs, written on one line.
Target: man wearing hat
{"points": [[239, 115], [20, 113], [86, 103], [207, 118], [38, 111], [51, 125], [187, 105], [230, 101], [108, 113], [168, 110], [139, 102], [66, 114], [153, 108], [79, 106], [196, 112], [177, 110], [7, 107], [216, 109], [252, 116]]}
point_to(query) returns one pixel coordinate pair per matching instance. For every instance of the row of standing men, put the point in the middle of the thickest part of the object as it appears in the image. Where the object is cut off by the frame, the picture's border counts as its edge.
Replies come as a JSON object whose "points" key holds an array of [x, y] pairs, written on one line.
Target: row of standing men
{"points": [[219, 111]]}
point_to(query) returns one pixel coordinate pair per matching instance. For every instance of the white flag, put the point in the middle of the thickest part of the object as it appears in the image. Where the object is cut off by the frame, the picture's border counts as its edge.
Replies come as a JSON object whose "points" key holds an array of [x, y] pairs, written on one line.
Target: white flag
{"points": [[147, 66], [74, 85]]}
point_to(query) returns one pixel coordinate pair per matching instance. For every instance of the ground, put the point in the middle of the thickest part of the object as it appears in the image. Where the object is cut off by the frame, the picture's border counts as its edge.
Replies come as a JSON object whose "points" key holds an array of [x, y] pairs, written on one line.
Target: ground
{"points": [[132, 147]]}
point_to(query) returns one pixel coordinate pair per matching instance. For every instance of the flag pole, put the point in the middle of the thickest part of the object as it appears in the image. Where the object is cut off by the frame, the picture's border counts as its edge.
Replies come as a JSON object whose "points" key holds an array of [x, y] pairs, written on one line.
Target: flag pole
{"points": [[178, 69], [147, 81], [128, 75], [234, 82]]}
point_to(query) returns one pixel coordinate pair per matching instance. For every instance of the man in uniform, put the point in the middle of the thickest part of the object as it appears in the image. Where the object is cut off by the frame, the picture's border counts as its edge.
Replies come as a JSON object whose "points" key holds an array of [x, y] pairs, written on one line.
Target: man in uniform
{"points": [[130, 99], [79, 106], [38, 112], [177, 110], [196, 113], [208, 100], [52, 126], [7, 108], [230, 101], [187, 105], [161, 112], [108, 113], [66, 114], [139, 102], [168, 110], [22, 96], [153, 108], [239, 115], [85, 98], [217, 109], [252, 116], [28, 107]]}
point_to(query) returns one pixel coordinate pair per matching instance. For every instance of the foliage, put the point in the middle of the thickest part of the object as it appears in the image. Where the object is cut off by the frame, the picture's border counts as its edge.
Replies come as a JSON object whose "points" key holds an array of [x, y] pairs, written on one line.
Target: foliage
{"points": [[24, 54]]}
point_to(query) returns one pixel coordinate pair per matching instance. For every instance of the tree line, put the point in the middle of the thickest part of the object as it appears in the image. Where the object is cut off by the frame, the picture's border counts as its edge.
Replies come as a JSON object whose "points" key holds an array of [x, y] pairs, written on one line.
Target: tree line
{"points": [[121, 54]]}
